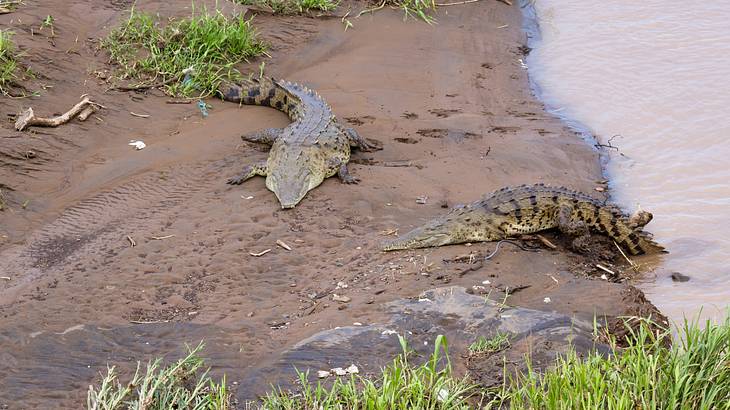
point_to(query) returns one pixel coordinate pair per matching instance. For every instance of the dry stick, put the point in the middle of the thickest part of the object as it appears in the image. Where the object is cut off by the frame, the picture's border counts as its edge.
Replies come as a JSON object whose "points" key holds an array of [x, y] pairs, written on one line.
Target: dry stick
{"points": [[372, 10], [457, 3], [28, 118], [144, 86], [86, 112]]}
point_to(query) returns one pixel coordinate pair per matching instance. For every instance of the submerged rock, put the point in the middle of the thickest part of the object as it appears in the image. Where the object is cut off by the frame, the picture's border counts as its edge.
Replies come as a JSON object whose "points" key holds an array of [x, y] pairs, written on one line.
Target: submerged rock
{"points": [[448, 311]]}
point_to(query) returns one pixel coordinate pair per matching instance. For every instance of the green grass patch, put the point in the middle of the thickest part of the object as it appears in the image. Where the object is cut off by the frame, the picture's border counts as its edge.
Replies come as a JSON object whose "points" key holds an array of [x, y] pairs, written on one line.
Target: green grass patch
{"points": [[417, 9], [402, 385], [692, 374], [293, 6], [8, 64], [500, 341], [182, 385], [190, 56]]}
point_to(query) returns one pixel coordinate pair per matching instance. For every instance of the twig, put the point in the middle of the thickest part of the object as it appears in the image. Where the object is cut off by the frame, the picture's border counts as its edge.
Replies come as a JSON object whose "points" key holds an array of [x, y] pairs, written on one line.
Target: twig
{"points": [[139, 115], [131, 241], [631, 263], [142, 322], [507, 2], [372, 10], [283, 244], [86, 112], [605, 269], [456, 3], [159, 238], [546, 242], [28, 118], [262, 253], [144, 86]]}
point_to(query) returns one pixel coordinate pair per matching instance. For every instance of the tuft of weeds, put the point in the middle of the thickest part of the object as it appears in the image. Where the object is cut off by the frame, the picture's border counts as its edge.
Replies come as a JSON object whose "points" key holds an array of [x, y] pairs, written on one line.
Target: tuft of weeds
{"points": [[190, 56], [402, 385], [293, 6], [178, 386], [499, 342], [694, 373], [417, 9], [8, 65]]}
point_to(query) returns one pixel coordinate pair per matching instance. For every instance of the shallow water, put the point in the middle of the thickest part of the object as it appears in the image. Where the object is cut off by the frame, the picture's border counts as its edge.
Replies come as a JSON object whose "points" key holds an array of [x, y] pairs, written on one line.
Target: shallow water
{"points": [[655, 75]]}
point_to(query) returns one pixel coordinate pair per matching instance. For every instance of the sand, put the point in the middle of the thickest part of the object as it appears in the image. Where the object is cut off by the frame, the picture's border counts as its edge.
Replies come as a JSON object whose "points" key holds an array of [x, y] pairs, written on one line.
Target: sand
{"points": [[451, 100]]}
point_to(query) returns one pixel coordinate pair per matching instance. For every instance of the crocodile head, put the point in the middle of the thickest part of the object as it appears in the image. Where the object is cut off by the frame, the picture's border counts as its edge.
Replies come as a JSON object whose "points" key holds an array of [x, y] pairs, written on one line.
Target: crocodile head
{"points": [[292, 173], [458, 226]]}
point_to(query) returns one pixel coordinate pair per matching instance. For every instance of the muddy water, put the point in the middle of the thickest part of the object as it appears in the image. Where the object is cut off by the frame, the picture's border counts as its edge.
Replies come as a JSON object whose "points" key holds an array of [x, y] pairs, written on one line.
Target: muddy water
{"points": [[655, 75]]}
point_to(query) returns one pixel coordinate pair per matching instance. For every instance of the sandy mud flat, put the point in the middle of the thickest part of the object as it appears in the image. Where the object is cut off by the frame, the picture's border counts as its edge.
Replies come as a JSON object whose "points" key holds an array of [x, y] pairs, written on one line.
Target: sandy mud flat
{"points": [[452, 107]]}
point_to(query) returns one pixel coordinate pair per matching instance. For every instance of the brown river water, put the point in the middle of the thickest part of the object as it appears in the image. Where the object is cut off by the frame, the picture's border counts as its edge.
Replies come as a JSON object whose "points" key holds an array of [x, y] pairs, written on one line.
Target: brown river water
{"points": [[651, 78]]}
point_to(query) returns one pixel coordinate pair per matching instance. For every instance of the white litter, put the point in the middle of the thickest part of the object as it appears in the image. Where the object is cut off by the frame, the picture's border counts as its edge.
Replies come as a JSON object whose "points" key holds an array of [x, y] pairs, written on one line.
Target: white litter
{"points": [[389, 332], [323, 373], [604, 277], [138, 145], [339, 371], [547, 300], [352, 369], [424, 300], [443, 394], [486, 282]]}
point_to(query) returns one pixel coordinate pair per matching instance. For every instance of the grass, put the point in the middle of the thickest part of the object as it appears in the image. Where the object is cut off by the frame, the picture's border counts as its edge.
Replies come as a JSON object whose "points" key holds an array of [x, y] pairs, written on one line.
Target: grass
{"points": [[500, 341], [190, 56], [8, 65], [182, 385], [293, 6], [693, 373], [401, 385], [417, 9]]}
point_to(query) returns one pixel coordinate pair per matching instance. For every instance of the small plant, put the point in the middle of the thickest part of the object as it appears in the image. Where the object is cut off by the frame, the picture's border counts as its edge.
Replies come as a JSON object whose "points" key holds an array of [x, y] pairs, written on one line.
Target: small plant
{"points": [[419, 9], [48, 24], [204, 49], [178, 386], [8, 65], [293, 6], [402, 385], [694, 373], [500, 341]]}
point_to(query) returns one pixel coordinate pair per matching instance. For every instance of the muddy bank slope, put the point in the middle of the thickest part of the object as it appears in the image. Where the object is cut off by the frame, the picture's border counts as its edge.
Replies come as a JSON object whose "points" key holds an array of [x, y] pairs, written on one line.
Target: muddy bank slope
{"points": [[451, 102]]}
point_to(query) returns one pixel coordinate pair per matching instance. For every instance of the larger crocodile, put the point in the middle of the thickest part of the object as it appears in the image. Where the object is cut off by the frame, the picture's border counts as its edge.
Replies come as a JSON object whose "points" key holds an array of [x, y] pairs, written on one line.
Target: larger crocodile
{"points": [[313, 147], [527, 209]]}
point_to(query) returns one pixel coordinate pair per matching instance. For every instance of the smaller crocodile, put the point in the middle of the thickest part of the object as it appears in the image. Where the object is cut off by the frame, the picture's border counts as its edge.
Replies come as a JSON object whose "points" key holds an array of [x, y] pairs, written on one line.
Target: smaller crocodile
{"points": [[527, 209], [309, 150]]}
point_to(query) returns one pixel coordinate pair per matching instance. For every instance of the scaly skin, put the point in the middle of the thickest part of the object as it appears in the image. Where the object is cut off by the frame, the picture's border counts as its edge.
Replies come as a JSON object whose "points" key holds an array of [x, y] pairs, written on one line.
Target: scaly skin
{"points": [[527, 209], [309, 150]]}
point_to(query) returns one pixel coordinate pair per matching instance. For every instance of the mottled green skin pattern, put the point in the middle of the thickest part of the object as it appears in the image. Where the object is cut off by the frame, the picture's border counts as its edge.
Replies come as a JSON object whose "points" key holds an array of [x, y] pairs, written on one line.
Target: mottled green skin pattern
{"points": [[527, 209], [313, 147]]}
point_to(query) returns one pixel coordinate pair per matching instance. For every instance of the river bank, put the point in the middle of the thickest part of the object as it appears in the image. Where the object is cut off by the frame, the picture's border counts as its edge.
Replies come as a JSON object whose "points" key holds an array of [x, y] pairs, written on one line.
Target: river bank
{"points": [[451, 104]]}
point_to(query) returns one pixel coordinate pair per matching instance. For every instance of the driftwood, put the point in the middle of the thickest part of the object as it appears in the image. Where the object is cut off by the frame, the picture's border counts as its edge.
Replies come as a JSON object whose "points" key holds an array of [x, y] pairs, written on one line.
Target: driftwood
{"points": [[83, 109]]}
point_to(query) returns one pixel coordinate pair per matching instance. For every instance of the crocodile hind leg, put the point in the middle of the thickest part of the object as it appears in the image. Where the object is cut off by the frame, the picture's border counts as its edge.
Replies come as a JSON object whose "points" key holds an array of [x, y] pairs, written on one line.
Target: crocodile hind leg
{"points": [[342, 172], [359, 142], [249, 171], [266, 136]]}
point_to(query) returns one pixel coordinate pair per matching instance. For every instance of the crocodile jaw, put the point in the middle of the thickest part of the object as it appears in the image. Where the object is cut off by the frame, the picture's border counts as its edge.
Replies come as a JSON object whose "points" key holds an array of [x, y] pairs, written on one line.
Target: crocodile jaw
{"points": [[419, 238]]}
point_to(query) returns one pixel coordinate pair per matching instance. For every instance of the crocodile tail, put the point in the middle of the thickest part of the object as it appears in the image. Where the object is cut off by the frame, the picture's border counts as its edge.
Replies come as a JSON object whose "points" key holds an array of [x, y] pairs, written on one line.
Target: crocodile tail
{"points": [[263, 91], [627, 235]]}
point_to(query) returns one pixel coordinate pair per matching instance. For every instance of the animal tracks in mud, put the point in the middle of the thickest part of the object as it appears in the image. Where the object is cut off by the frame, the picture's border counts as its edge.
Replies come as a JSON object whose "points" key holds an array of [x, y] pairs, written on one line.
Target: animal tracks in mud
{"points": [[110, 214]]}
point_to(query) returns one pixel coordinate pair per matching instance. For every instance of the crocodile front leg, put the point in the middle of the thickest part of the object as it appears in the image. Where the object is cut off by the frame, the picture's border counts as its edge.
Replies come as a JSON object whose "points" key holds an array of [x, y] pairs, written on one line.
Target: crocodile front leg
{"points": [[359, 142], [266, 136], [249, 171]]}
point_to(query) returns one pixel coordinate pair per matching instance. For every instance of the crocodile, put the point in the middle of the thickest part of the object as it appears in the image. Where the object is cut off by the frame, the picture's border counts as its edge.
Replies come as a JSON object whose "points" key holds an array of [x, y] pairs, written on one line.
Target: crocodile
{"points": [[313, 147], [527, 209]]}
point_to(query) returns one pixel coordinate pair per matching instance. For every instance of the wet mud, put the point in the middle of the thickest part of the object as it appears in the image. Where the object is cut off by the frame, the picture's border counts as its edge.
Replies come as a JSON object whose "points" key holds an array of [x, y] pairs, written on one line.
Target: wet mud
{"points": [[450, 104]]}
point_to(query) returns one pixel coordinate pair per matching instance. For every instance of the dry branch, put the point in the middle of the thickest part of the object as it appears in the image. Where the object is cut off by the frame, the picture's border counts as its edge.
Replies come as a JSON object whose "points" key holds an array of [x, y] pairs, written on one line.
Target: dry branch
{"points": [[28, 118]]}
